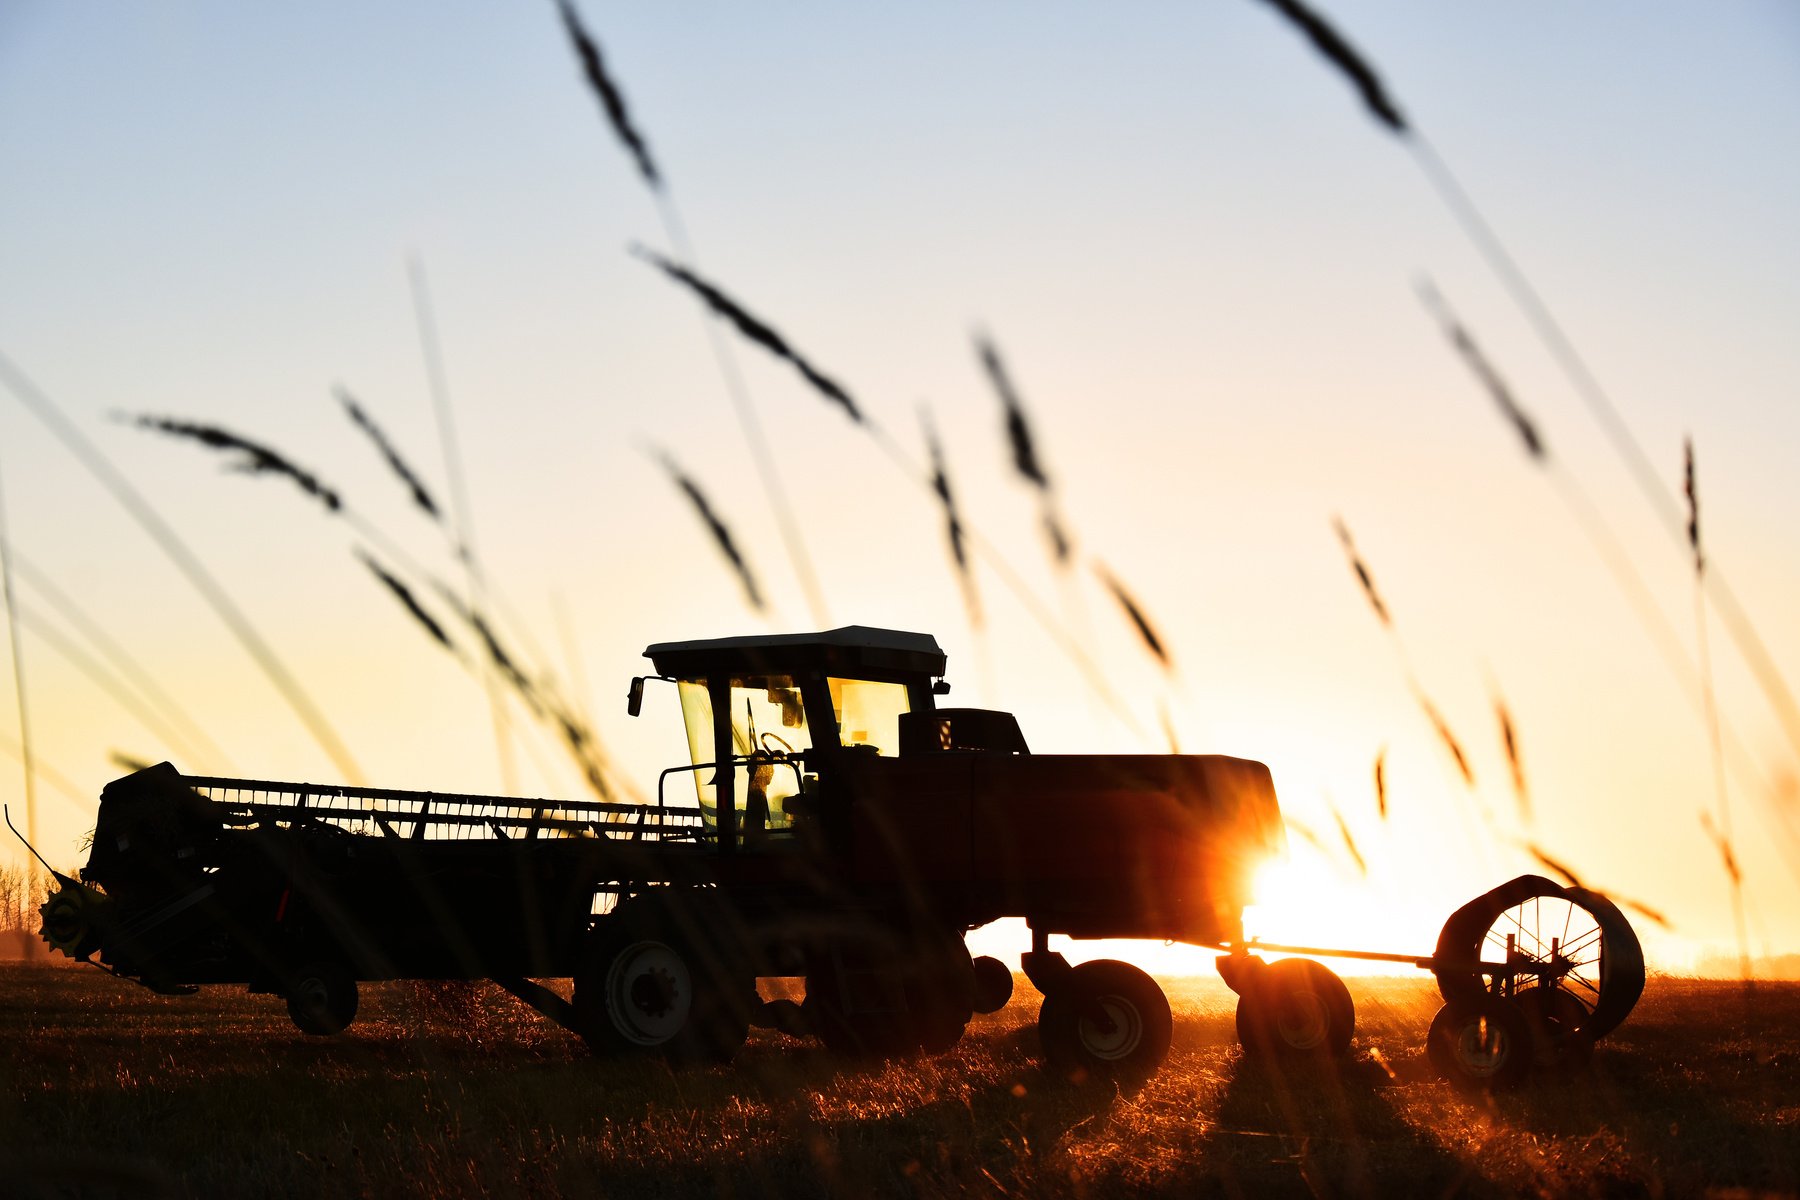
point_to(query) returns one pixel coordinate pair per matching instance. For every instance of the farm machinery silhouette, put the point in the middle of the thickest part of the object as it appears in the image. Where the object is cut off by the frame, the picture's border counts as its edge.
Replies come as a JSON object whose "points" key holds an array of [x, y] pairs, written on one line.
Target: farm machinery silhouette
{"points": [[836, 825]]}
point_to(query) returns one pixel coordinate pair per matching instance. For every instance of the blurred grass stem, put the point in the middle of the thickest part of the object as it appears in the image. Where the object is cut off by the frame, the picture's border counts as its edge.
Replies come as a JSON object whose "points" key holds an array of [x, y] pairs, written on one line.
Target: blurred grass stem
{"points": [[184, 559], [1606, 413], [460, 519], [120, 660], [24, 710]]}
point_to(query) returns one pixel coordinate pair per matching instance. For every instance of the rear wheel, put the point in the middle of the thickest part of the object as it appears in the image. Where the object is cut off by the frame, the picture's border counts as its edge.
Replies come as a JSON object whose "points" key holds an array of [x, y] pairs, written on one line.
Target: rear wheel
{"points": [[887, 994], [1297, 1009], [322, 998], [1107, 1019]]}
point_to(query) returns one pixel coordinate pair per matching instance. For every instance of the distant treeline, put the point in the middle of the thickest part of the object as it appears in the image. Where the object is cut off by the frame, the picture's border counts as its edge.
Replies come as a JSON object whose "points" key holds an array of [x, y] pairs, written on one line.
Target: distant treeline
{"points": [[1725, 964], [19, 901]]}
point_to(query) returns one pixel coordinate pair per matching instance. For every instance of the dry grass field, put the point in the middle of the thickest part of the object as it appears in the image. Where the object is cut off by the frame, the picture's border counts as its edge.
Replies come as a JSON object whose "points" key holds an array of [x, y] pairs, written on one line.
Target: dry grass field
{"points": [[452, 1091]]}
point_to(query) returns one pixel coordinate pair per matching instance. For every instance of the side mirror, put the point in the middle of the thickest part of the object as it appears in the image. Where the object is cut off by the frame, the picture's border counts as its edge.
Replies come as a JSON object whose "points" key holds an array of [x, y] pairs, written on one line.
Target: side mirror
{"points": [[634, 699]]}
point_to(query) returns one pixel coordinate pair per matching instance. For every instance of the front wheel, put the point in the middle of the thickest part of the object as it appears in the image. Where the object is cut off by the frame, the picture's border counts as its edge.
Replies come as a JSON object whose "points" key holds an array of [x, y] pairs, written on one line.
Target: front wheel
{"points": [[1106, 1019], [647, 988]]}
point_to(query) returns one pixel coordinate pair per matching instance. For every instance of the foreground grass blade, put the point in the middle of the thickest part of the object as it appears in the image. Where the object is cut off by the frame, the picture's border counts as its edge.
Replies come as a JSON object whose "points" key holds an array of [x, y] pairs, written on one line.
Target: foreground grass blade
{"points": [[1361, 569], [390, 453], [18, 674], [1510, 739], [755, 330], [408, 600], [255, 458], [121, 661], [1146, 632], [1332, 46], [1366, 579], [1449, 739], [1485, 372], [177, 551], [1024, 447], [1362, 866], [1381, 795], [612, 101], [721, 534], [953, 526]]}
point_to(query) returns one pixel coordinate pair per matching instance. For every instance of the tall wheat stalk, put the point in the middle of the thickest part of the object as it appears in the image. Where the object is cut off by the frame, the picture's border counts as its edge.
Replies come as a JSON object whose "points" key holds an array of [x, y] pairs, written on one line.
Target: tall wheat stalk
{"points": [[1722, 834], [1600, 405], [1606, 546], [83, 802], [1515, 759], [1366, 581], [761, 333], [124, 665], [953, 523], [496, 660], [1381, 790], [202, 580], [716, 528], [463, 521], [101, 677], [24, 709], [1026, 460], [618, 115]]}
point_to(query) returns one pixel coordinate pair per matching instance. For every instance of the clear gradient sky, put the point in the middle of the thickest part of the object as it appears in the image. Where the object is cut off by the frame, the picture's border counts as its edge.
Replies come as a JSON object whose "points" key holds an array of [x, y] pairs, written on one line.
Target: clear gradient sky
{"points": [[1199, 256]]}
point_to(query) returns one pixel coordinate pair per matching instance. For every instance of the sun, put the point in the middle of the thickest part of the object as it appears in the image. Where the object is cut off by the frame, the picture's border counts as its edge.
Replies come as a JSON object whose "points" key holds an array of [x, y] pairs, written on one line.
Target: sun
{"points": [[1304, 899]]}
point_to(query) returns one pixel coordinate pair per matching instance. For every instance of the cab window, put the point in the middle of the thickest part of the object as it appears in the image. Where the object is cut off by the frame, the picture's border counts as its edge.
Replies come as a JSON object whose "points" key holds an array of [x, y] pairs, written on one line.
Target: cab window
{"points": [[697, 716], [868, 713], [768, 734]]}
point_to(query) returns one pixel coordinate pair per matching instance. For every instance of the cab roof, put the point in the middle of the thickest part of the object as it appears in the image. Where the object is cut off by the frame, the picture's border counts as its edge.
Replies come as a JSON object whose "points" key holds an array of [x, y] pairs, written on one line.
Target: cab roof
{"points": [[850, 650]]}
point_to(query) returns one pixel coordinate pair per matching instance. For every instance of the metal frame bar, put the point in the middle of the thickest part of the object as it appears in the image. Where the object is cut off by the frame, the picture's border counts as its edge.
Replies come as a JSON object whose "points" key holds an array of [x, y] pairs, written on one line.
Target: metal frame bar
{"points": [[453, 816]]}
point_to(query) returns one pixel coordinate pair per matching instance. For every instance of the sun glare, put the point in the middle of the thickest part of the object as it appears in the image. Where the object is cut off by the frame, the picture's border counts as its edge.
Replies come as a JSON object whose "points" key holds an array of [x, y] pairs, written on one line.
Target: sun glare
{"points": [[1303, 900]]}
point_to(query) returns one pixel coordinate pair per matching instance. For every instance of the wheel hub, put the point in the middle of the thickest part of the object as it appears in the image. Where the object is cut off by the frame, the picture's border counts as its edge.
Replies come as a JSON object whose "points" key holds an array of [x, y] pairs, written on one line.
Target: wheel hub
{"points": [[1302, 1022], [649, 993], [653, 992], [1113, 1030], [1482, 1047]]}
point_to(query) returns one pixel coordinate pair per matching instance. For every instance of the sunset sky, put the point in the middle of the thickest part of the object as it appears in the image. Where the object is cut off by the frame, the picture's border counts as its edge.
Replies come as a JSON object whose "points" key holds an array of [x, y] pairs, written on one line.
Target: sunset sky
{"points": [[1201, 260]]}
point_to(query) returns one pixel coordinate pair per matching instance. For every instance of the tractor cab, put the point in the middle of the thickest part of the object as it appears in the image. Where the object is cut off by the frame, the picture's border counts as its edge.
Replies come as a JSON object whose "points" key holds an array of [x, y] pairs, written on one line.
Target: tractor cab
{"points": [[768, 716]]}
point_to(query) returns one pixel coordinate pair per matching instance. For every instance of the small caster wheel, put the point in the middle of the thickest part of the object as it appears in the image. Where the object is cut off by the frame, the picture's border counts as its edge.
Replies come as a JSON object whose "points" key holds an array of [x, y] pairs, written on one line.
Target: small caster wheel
{"points": [[993, 984], [321, 998], [1481, 1043], [1560, 1041], [1296, 1009]]}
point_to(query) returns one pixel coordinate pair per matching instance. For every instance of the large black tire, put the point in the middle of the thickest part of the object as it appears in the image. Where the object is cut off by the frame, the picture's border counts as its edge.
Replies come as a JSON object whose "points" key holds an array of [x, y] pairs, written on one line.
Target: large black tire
{"points": [[888, 994], [653, 985], [1106, 1020], [1481, 1044], [322, 997], [1296, 1009], [1601, 962]]}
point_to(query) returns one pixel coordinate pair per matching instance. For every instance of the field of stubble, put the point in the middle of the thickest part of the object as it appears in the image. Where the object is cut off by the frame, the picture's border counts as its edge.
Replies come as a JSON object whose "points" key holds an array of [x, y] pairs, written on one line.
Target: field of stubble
{"points": [[109, 1090]]}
